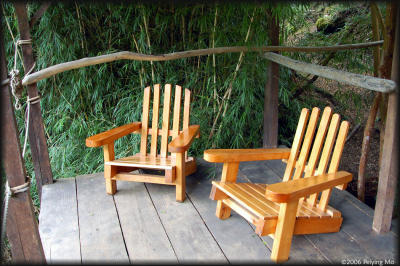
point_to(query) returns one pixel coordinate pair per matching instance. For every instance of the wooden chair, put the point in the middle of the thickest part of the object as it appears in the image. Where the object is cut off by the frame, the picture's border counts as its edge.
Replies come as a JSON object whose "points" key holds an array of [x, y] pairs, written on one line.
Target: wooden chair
{"points": [[176, 165], [292, 206]]}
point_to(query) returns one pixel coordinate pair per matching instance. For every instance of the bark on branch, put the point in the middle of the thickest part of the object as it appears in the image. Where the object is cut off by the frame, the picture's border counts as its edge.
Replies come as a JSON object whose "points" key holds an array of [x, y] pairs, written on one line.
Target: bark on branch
{"points": [[367, 82], [39, 13], [89, 61]]}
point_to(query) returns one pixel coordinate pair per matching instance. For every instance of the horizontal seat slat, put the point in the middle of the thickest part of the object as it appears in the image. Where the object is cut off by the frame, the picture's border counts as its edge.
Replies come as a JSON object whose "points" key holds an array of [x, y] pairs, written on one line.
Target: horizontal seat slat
{"points": [[139, 160], [252, 196]]}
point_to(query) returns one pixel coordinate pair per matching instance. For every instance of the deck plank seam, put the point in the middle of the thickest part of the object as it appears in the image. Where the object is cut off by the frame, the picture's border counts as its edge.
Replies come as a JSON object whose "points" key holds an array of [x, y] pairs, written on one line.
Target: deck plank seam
{"points": [[318, 250], [251, 225], [159, 218], [77, 214], [120, 226], [201, 217], [352, 238]]}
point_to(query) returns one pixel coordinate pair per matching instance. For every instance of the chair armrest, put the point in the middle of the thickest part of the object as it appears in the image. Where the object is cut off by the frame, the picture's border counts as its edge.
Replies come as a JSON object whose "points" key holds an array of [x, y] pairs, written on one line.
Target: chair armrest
{"points": [[112, 134], [245, 155], [295, 189], [182, 142]]}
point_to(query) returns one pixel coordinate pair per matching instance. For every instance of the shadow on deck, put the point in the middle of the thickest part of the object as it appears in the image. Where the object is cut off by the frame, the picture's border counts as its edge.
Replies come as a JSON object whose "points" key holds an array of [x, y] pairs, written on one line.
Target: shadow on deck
{"points": [[79, 222]]}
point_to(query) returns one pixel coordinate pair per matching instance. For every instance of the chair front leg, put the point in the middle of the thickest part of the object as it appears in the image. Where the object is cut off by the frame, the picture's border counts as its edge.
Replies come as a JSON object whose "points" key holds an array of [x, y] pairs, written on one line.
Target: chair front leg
{"points": [[284, 231], [229, 174], [180, 179], [109, 170]]}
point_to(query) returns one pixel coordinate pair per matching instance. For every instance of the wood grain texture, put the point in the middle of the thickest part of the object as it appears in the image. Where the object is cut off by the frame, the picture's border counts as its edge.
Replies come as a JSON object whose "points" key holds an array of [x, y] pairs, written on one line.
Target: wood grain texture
{"points": [[305, 147], [301, 126], [284, 231], [271, 89], [243, 155], [234, 236], [165, 121], [145, 237], [36, 133], [58, 222], [182, 142], [22, 230], [100, 232], [126, 55], [112, 134], [190, 237], [154, 123], [145, 121], [286, 191], [366, 82]]}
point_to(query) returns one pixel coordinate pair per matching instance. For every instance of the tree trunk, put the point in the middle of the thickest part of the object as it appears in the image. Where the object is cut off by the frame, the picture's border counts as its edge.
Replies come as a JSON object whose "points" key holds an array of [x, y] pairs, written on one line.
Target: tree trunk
{"points": [[22, 227], [271, 91], [37, 139]]}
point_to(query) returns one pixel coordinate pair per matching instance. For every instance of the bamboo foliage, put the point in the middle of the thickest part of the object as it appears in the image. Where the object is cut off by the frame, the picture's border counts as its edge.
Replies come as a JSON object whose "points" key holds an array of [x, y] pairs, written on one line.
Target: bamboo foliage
{"points": [[227, 91]]}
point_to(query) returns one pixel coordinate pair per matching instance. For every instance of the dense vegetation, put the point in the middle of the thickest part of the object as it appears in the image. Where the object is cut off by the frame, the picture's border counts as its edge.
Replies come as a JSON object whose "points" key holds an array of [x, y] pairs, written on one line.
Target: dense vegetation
{"points": [[83, 102]]}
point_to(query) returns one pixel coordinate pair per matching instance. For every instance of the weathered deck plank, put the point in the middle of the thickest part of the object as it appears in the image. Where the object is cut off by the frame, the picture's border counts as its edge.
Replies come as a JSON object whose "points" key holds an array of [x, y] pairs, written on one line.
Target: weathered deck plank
{"points": [[235, 236], [185, 228], [100, 232], [145, 238], [58, 225], [79, 222]]}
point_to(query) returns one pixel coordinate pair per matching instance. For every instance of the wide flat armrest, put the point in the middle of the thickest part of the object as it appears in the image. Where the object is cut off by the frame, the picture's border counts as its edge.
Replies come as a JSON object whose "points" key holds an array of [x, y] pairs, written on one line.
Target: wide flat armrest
{"points": [[182, 142], [112, 134], [245, 155], [295, 189]]}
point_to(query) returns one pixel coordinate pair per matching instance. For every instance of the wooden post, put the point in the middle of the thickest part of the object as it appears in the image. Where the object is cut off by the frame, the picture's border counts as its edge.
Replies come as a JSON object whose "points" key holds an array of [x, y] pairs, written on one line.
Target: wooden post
{"points": [[22, 227], [37, 139], [388, 172], [270, 135]]}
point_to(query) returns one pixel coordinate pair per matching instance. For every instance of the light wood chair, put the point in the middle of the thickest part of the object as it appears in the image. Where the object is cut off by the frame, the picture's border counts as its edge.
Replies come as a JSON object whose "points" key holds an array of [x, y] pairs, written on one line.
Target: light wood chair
{"points": [[172, 157], [292, 206]]}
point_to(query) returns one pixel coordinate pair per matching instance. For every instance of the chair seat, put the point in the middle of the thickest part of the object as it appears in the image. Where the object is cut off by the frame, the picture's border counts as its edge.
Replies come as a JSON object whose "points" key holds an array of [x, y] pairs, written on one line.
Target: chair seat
{"points": [[251, 197], [152, 162]]}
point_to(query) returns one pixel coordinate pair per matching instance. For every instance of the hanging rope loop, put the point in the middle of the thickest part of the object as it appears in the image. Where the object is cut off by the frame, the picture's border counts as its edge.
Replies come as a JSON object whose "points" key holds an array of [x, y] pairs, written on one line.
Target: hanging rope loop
{"points": [[15, 81], [19, 189]]}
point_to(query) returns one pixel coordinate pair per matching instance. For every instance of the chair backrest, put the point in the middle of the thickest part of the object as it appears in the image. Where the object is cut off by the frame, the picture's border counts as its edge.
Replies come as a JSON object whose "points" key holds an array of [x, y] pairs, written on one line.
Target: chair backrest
{"points": [[165, 132], [301, 161]]}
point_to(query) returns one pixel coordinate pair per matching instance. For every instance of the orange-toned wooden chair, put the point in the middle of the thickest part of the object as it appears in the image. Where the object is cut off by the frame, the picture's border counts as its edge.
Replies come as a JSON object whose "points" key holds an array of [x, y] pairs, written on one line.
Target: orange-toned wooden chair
{"points": [[172, 157], [292, 206]]}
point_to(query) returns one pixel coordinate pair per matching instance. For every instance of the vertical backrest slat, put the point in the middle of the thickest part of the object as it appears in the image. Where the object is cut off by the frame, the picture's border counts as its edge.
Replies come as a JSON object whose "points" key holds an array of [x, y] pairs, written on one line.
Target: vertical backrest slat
{"points": [[177, 111], [165, 121], [326, 152], [154, 125], [145, 121], [319, 141], [337, 154], [186, 110], [305, 148], [296, 143], [330, 140]]}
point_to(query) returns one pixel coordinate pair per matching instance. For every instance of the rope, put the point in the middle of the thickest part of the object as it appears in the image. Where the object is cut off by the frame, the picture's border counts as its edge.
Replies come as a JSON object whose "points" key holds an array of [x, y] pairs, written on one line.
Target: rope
{"points": [[10, 191], [14, 74]]}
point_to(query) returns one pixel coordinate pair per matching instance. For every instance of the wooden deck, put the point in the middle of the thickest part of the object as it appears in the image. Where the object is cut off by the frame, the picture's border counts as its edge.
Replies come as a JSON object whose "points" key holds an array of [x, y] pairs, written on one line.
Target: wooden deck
{"points": [[79, 222]]}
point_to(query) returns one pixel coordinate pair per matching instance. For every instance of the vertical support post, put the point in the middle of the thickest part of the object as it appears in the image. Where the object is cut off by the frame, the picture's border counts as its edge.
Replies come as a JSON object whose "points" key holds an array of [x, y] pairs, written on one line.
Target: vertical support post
{"points": [[37, 139], [388, 172], [109, 170], [22, 228], [229, 174], [270, 135], [180, 177]]}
